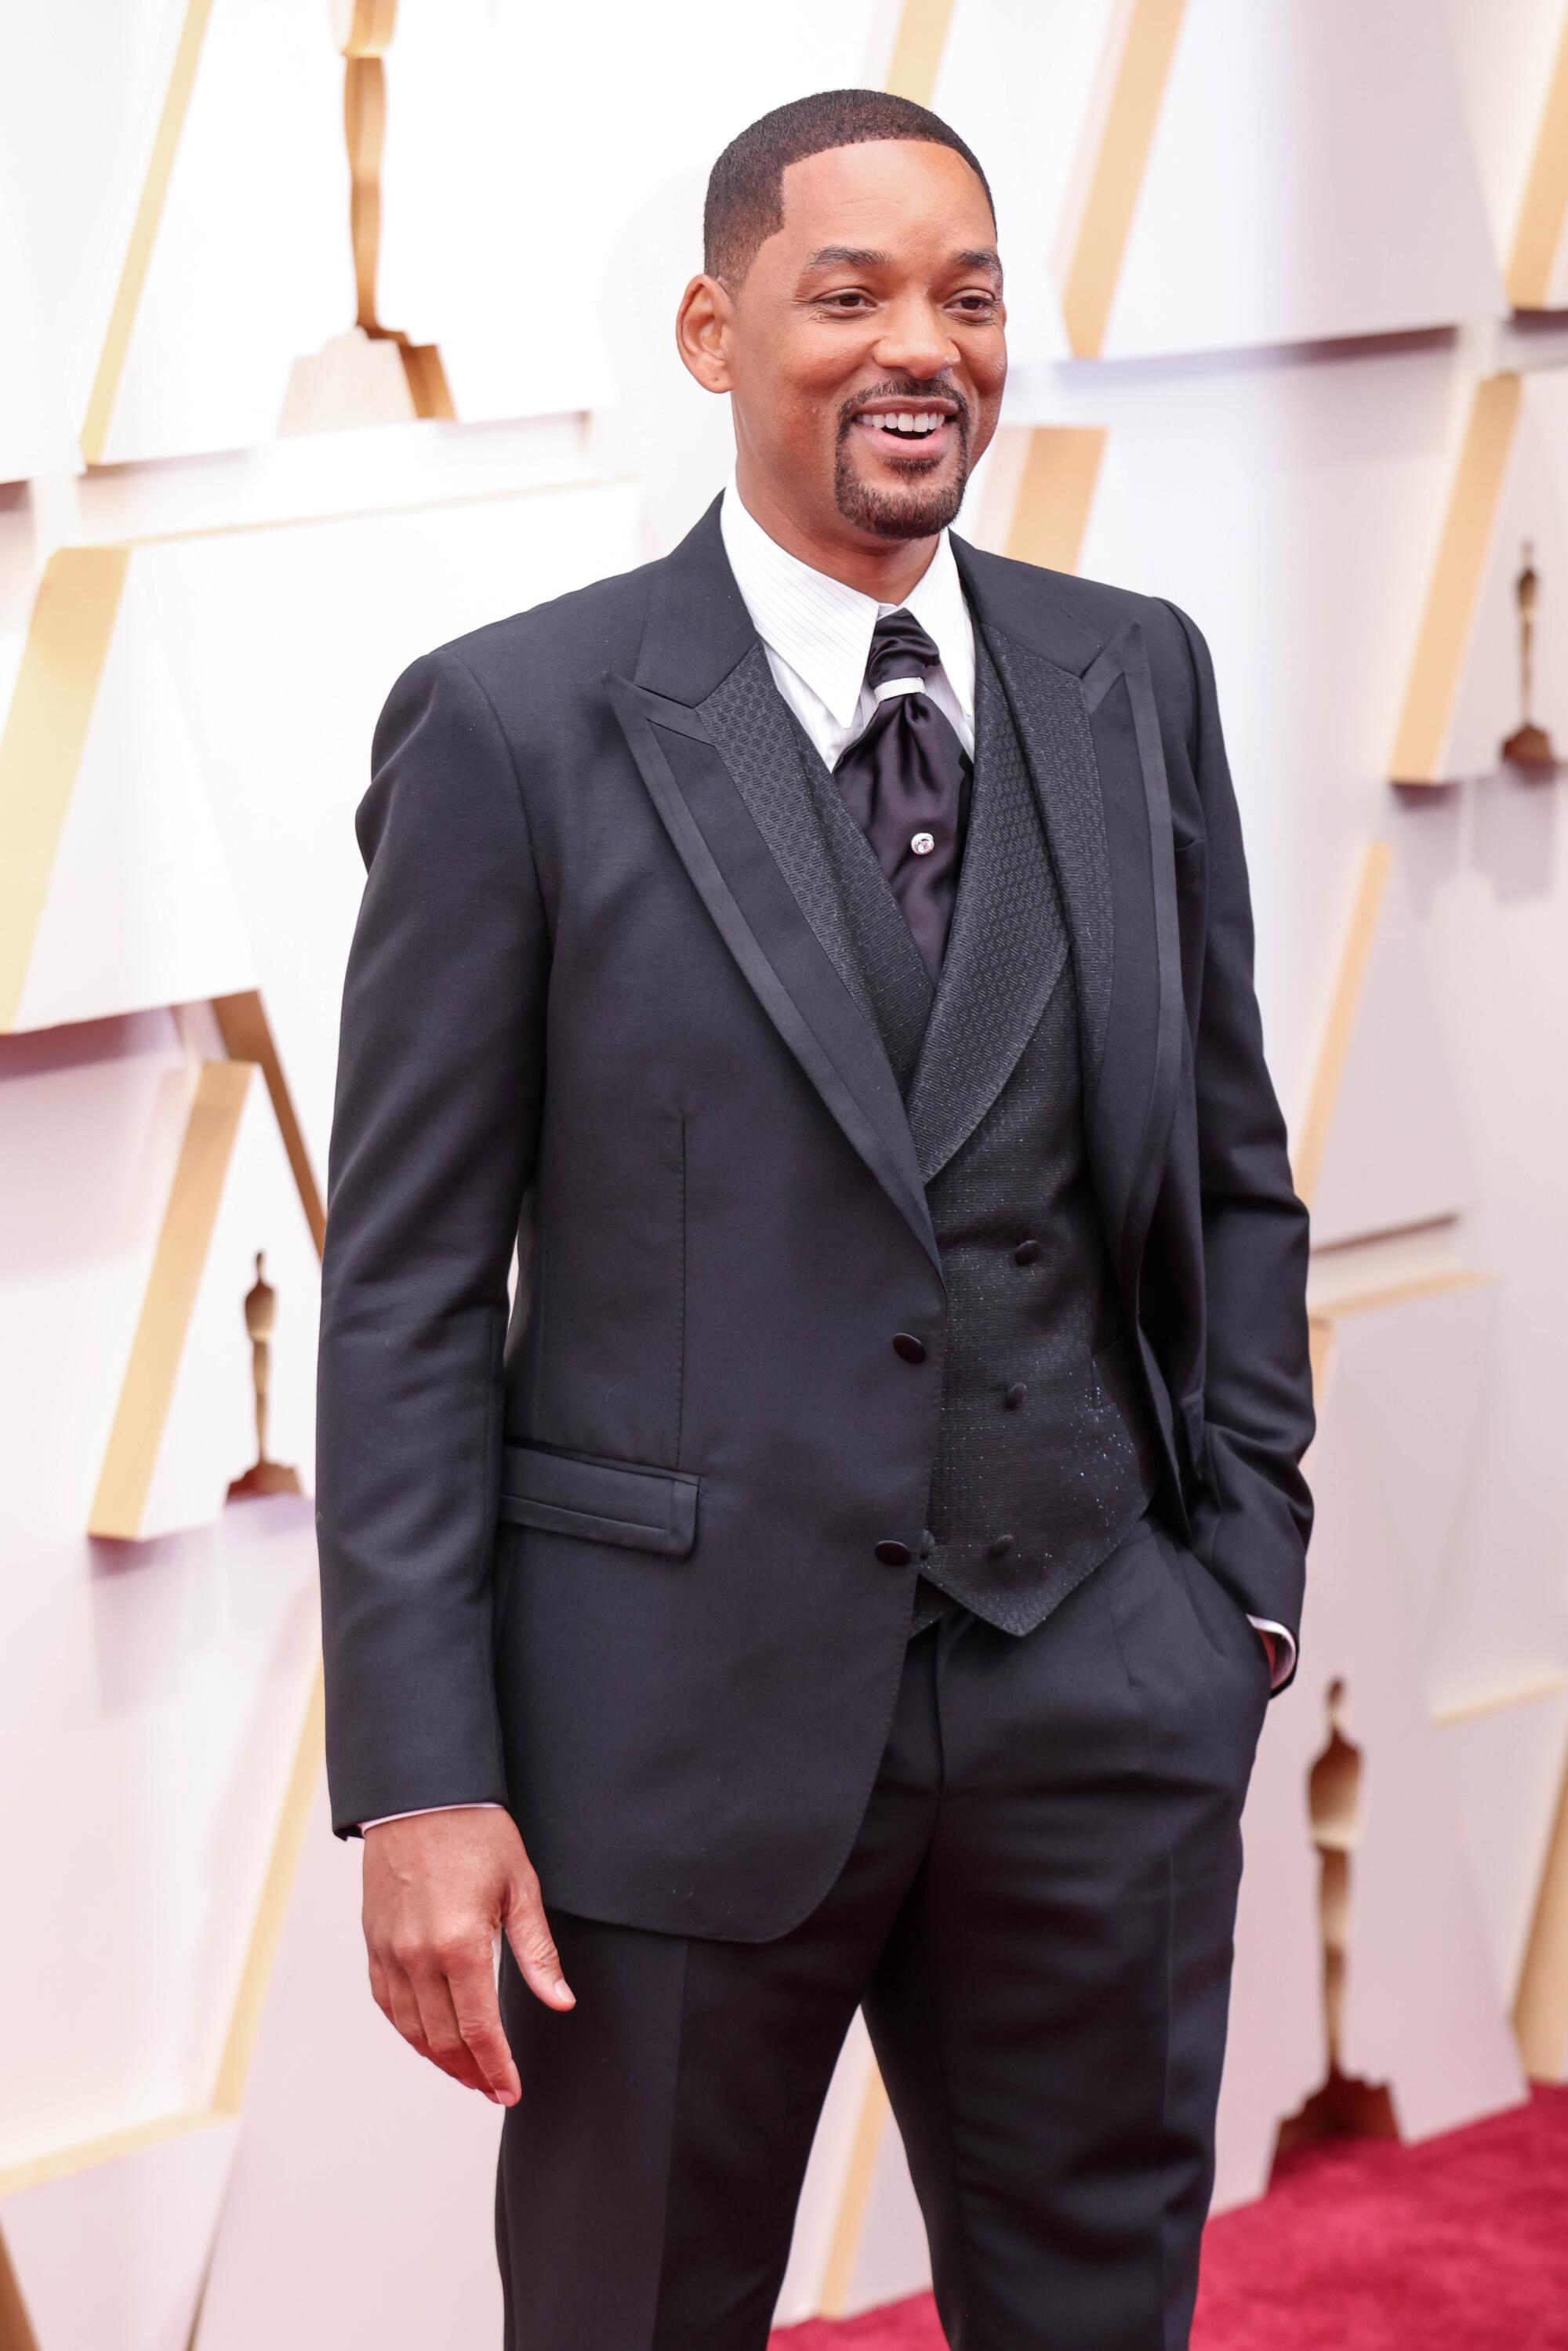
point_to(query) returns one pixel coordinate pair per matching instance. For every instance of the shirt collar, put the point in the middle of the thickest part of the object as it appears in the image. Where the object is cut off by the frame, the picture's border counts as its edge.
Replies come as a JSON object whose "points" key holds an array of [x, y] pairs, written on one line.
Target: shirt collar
{"points": [[823, 628]]}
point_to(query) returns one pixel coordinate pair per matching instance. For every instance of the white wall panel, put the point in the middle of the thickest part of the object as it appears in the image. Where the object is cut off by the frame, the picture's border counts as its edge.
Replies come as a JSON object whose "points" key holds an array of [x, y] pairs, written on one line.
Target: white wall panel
{"points": [[112, 2258], [1311, 175], [285, 644], [149, 1694], [360, 2205]]}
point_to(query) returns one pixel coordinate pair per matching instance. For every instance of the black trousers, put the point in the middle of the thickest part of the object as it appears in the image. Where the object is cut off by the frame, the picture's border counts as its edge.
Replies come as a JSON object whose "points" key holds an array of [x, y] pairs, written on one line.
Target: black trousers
{"points": [[1037, 1918]]}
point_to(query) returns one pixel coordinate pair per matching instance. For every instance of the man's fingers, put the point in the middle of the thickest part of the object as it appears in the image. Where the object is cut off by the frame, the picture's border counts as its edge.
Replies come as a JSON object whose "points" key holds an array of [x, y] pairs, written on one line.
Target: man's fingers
{"points": [[533, 1946], [478, 2015], [445, 2044], [403, 2009]]}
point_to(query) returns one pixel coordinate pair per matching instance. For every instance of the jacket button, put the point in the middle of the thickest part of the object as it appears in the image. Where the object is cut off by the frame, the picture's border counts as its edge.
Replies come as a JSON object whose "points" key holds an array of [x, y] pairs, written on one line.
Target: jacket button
{"points": [[999, 1548], [1014, 1396], [1026, 1252], [894, 1554], [912, 1349], [928, 1543]]}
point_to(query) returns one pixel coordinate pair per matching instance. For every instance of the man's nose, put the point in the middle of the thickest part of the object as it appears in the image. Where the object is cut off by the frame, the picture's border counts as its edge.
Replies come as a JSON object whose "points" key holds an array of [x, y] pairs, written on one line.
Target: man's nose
{"points": [[915, 341]]}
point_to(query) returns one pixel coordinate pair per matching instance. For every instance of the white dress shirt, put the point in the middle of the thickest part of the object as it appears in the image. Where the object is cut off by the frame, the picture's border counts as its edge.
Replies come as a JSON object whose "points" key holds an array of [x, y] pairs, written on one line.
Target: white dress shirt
{"points": [[817, 635]]}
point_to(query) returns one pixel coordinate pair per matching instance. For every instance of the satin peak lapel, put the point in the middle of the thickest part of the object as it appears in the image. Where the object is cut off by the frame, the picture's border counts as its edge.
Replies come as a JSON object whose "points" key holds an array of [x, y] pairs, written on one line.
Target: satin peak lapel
{"points": [[726, 780], [1139, 1067]]}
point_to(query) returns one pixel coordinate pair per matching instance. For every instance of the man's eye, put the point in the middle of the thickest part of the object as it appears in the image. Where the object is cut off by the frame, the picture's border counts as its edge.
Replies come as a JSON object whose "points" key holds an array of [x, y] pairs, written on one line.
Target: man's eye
{"points": [[976, 305]]}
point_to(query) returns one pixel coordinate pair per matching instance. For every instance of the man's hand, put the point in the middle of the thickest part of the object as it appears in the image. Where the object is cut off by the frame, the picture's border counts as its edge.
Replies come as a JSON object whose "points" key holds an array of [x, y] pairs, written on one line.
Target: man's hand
{"points": [[437, 1886]]}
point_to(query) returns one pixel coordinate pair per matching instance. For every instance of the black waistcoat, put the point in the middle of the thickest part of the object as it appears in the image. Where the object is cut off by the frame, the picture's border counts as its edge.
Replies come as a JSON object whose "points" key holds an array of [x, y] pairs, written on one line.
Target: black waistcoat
{"points": [[1044, 1455]]}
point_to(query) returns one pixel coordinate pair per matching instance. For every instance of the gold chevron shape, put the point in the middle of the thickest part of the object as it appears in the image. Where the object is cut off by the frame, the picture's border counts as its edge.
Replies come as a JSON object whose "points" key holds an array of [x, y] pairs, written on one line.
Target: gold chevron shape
{"points": [[1112, 173], [143, 1489], [1544, 210]]}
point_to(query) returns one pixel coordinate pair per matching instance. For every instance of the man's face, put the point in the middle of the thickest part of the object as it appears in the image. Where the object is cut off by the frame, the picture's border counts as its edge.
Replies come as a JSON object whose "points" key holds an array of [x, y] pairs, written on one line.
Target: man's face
{"points": [[865, 348]]}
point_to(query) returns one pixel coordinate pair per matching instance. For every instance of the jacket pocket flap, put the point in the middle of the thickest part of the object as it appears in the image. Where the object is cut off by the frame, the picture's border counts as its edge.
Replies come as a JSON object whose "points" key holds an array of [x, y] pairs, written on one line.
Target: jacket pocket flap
{"points": [[607, 1501]]}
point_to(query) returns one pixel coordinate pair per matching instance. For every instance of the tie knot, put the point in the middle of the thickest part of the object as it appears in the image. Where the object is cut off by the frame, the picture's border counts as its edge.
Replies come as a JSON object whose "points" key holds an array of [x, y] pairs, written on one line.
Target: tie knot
{"points": [[899, 648]]}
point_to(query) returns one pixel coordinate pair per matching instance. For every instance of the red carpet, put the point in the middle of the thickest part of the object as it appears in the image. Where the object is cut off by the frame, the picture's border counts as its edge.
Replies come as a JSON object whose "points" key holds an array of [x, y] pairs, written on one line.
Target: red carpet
{"points": [[1460, 2244]]}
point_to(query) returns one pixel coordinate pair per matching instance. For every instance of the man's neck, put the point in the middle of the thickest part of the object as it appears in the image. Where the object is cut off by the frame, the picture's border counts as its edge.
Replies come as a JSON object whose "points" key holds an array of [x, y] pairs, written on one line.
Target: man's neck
{"points": [[886, 568]]}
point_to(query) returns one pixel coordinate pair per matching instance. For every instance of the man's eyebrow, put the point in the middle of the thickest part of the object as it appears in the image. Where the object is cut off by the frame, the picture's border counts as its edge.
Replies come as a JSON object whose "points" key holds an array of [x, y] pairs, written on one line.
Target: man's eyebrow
{"points": [[858, 256], [847, 256]]}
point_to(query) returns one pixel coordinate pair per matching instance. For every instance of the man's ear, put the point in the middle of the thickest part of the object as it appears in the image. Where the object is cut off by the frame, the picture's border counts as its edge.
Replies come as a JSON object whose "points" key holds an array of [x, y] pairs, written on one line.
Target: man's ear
{"points": [[702, 332]]}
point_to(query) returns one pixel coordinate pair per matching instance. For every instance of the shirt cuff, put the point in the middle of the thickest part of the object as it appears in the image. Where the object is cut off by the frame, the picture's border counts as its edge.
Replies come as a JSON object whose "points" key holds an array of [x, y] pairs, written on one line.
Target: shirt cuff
{"points": [[482, 1804], [1285, 1652]]}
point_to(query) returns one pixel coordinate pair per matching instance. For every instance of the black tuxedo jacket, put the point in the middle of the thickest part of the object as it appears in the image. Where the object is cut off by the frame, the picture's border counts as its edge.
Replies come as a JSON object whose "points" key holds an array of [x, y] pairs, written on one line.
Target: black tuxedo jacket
{"points": [[623, 1563]]}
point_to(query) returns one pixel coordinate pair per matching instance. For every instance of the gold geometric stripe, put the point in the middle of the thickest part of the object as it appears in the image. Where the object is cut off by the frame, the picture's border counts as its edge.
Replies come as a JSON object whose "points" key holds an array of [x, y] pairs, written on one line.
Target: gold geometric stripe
{"points": [[1117, 175], [1055, 493], [839, 2274], [183, 1243], [372, 28], [16, 2327], [1456, 582], [112, 2148], [1538, 231], [41, 748], [143, 233], [248, 1036], [917, 48], [1541, 2010], [1344, 1005], [272, 1909]]}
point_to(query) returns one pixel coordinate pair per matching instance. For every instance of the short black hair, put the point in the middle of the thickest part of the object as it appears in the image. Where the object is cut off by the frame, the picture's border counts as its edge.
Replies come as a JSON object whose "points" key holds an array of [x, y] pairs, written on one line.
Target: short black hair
{"points": [[744, 203]]}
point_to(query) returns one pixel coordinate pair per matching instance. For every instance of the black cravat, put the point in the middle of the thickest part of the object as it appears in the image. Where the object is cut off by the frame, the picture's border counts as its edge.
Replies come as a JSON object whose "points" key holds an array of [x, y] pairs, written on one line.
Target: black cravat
{"points": [[906, 780]]}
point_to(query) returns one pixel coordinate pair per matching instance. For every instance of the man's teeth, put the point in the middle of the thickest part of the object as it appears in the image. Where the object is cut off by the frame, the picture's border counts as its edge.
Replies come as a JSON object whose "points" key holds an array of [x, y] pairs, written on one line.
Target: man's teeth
{"points": [[906, 419]]}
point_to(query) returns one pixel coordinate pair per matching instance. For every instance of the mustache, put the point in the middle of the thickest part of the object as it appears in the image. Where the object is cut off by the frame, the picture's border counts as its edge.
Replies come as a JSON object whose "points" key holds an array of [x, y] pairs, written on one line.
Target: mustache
{"points": [[905, 387]]}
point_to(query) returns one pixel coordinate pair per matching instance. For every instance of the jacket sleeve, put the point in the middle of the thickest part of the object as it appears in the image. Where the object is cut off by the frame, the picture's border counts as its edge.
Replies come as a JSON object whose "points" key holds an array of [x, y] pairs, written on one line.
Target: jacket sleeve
{"points": [[1253, 1514], [435, 1123]]}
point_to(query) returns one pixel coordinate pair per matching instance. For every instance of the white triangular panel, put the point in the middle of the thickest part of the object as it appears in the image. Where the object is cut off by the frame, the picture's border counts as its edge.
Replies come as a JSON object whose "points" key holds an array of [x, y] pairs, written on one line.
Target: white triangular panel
{"points": [[1423, 2012], [209, 1435], [1506, 58], [360, 2208], [472, 209], [1108, 545], [81, 88], [893, 2258], [111, 2258], [1427, 1359], [250, 265], [1017, 82], [35, 436], [1531, 506], [1505, 1764], [305, 627], [1396, 1155], [1311, 175], [140, 908], [819, 2214]]}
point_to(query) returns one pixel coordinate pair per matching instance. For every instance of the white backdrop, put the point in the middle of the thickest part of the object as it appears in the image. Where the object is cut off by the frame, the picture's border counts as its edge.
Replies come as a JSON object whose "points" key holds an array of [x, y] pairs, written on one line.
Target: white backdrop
{"points": [[198, 622]]}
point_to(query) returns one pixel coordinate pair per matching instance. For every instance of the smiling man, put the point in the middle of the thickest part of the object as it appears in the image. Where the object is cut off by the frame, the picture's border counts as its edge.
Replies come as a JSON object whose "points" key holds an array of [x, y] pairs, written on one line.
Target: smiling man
{"points": [[854, 1570]]}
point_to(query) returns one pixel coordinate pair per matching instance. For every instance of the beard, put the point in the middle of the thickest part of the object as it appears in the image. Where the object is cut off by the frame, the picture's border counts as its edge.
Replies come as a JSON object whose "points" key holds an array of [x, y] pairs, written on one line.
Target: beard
{"points": [[925, 502]]}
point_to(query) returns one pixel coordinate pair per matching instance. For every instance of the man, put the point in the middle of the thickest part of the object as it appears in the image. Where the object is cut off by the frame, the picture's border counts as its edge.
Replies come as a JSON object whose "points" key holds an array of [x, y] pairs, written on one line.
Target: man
{"points": [[826, 953]]}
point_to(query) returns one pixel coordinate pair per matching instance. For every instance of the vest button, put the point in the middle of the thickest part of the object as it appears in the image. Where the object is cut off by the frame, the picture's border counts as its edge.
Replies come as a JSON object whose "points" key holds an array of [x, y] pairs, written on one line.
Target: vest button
{"points": [[1014, 1396], [999, 1548], [1026, 1252], [912, 1349], [894, 1554], [928, 1543]]}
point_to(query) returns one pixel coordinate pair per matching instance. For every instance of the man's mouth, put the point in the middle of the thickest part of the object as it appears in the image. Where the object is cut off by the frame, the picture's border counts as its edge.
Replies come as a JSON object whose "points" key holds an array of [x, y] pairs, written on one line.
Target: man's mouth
{"points": [[925, 424]]}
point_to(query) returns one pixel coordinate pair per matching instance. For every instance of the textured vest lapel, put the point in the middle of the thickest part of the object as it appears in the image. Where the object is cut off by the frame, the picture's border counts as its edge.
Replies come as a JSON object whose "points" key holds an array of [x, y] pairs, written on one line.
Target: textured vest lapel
{"points": [[1007, 946], [898, 984]]}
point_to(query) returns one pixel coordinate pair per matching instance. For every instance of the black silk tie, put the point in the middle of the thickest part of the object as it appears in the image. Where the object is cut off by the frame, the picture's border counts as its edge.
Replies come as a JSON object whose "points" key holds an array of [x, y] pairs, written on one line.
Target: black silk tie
{"points": [[906, 780]]}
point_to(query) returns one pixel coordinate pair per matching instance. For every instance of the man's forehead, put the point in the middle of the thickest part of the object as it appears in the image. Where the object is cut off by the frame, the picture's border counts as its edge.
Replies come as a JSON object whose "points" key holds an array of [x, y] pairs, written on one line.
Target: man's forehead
{"points": [[889, 172]]}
